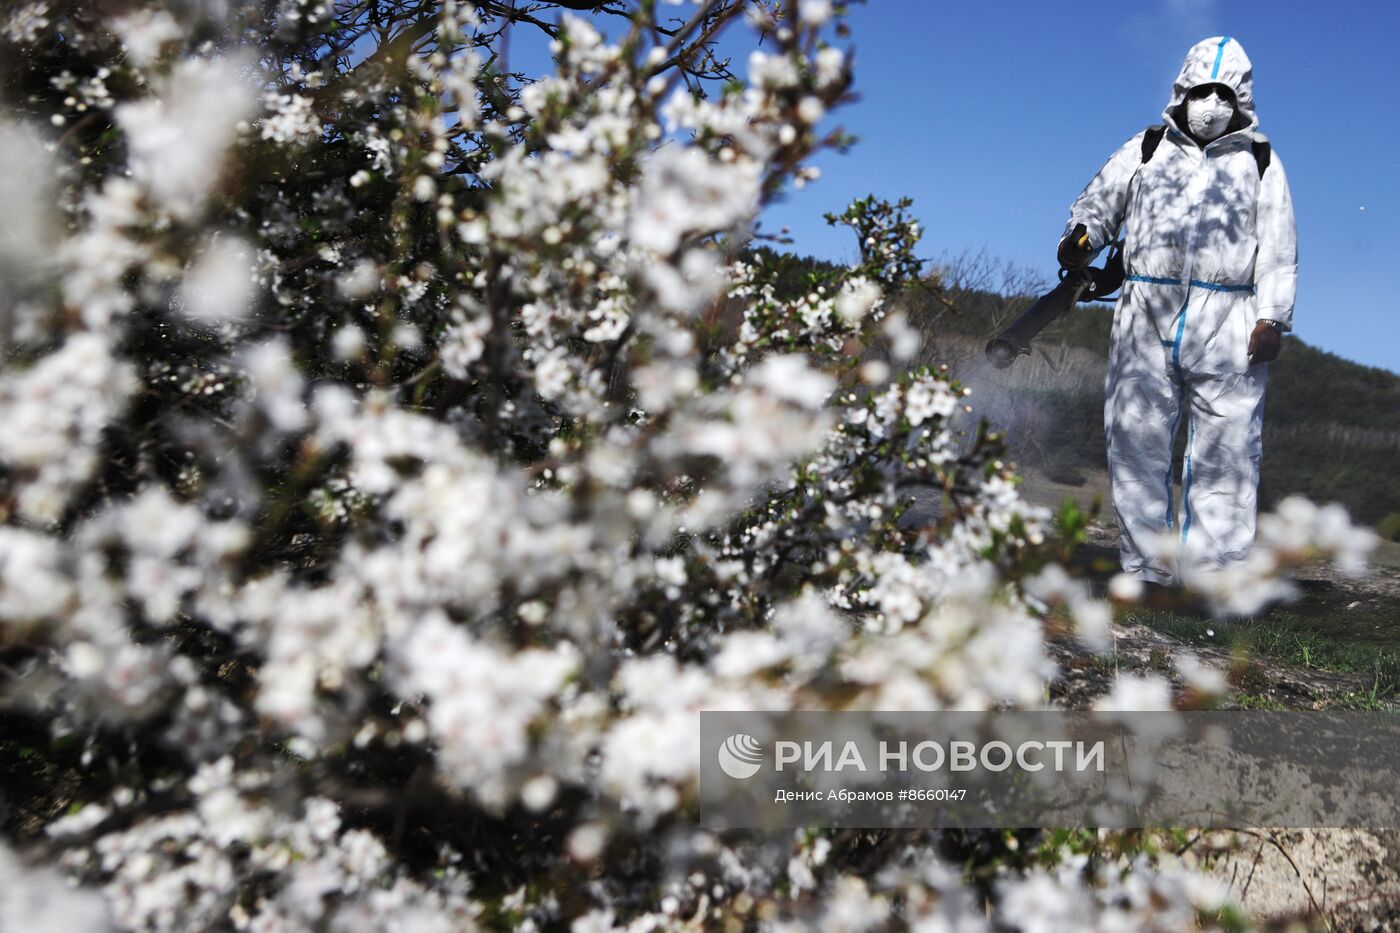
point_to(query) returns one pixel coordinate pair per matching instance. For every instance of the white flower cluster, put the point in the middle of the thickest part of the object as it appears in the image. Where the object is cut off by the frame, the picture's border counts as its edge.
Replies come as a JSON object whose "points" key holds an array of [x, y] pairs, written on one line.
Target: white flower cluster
{"points": [[291, 118], [462, 345], [27, 21], [482, 700], [178, 137], [1299, 529], [219, 285], [683, 191], [186, 870], [42, 899], [144, 33], [1297, 532], [393, 604], [1170, 899], [54, 413], [1092, 617], [823, 319]]}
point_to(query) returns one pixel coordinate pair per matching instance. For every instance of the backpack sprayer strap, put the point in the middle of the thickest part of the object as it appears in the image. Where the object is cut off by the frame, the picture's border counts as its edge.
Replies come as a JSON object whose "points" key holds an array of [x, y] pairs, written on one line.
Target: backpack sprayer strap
{"points": [[1113, 274]]}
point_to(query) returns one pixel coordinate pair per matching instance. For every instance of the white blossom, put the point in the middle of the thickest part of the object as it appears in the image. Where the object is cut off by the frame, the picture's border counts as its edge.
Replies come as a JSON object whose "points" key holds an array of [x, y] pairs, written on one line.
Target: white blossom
{"points": [[219, 286], [684, 191], [292, 118], [396, 605], [54, 413], [179, 136], [463, 345], [145, 33]]}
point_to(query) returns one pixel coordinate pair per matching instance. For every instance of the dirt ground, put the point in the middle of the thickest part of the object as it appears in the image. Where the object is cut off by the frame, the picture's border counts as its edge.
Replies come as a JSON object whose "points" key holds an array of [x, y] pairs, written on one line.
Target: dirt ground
{"points": [[1319, 879], [1330, 879], [1315, 879]]}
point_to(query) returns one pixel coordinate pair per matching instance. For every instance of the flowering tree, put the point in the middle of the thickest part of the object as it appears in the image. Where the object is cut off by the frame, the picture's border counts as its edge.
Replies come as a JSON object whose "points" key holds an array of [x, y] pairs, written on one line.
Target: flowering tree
{"points": [[399, 453]]}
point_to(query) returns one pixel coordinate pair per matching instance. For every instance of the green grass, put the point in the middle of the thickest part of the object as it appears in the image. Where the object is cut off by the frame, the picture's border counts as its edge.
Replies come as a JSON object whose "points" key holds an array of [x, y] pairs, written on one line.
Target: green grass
{"points": [[1387, 554], [1258, 701], [1321, 631], [1367, 700], [1330, 627]]}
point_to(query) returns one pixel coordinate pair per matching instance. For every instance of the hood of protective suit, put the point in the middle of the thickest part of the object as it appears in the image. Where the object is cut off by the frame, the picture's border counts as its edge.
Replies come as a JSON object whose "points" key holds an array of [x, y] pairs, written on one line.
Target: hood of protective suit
{"points": [[1218, 60]]}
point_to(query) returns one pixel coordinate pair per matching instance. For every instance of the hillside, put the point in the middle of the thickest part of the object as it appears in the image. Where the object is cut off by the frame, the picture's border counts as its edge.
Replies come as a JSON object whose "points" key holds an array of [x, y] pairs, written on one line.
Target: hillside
{"points": [[1332, 432], [1331, 427]]}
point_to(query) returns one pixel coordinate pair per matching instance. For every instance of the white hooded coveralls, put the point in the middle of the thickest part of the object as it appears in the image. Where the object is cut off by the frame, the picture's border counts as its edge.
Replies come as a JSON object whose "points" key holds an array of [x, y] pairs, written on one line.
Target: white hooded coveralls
{"points": [[1210, 248]]}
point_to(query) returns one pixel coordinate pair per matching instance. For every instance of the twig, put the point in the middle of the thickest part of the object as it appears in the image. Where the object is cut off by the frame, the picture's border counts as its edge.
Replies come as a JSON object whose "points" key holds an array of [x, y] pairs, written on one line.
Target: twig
{"points": [[1272, 839]]}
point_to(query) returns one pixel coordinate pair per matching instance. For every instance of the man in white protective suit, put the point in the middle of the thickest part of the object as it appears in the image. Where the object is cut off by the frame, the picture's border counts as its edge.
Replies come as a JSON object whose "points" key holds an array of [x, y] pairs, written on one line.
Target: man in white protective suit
{"points": [[1210, 255]]}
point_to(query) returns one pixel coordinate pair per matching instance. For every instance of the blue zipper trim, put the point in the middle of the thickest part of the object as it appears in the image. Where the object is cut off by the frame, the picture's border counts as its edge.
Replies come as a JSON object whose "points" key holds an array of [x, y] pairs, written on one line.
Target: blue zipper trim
{"points": [[1195, 283], [1176, 341], [1217, 287], [1219, 54], [1186, 482], [1180, 387], [1176, 422]]}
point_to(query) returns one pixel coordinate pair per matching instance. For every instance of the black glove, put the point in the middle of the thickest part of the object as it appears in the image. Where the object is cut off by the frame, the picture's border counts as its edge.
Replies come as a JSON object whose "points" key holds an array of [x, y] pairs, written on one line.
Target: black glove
{"points": [[1265, 342], [1074, 250]]}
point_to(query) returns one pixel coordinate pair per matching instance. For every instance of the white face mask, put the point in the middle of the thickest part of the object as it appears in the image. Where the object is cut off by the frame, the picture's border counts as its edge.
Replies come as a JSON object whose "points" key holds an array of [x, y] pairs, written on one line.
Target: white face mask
{"points": [[1209, 116]]}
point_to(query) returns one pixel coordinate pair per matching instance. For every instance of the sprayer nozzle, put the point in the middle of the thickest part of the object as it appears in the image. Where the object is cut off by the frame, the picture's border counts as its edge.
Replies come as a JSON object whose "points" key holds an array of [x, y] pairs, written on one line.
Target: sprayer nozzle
{"points": [[1000, 352]]}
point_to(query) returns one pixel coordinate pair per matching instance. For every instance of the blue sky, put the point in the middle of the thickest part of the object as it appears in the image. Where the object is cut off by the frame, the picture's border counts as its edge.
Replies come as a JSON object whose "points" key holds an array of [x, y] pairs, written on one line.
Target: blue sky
{"points": [[993, 116]]}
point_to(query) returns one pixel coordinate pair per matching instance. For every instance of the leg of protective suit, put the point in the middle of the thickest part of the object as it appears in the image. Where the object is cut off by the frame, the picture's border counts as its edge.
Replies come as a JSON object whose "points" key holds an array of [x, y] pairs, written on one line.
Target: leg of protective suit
{"points": [[1220, 473], [1141, 414]]}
